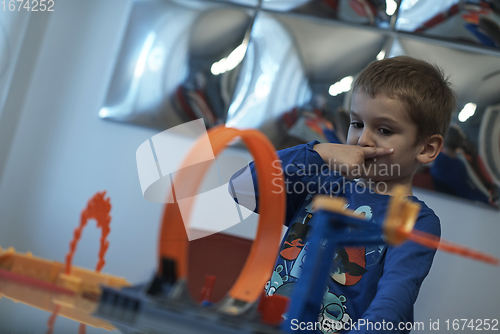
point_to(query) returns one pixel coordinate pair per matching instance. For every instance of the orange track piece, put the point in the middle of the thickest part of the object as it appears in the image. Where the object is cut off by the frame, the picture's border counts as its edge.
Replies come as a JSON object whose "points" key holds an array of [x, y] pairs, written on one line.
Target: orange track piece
{"points": [[173, 238], [431, 241]]}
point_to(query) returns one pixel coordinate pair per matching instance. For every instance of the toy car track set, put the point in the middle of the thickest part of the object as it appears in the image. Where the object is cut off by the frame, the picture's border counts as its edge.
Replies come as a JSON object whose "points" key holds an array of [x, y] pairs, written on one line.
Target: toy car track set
{"points": [[164, 304]]}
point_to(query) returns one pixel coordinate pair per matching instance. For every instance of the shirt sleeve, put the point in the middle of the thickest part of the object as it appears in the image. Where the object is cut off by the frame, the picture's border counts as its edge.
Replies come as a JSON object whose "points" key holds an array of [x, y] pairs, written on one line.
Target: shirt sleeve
{"points": [[405, 268], [300, 166]]}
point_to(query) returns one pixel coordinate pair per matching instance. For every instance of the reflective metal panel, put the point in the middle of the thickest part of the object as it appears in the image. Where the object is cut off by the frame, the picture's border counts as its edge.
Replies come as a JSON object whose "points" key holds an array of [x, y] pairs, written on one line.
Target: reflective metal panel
{"points": [[249, 3], [287, 70], [474, 22], [489, 142], [367, 12], [467, 166], [178, 62], [291, 85]]}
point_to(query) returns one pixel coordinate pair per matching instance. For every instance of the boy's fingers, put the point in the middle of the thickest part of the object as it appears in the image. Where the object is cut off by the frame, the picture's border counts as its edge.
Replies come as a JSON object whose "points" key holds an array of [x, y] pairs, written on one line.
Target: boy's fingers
{"points": [[372, 152]]}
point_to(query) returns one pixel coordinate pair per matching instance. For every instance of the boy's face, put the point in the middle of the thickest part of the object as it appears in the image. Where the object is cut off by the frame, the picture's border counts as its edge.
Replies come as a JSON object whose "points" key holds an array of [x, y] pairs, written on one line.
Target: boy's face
{"points": [[384, 122]]}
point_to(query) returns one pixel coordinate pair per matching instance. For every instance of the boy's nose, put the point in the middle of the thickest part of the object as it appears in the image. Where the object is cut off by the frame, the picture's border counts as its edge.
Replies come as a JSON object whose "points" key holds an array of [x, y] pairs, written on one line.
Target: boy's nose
{"points": [[366, 139]]}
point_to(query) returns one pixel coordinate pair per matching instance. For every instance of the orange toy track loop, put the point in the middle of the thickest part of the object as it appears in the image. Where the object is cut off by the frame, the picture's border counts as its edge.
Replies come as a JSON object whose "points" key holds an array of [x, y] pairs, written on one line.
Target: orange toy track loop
{"points": [[97, 208], [173, 238]]}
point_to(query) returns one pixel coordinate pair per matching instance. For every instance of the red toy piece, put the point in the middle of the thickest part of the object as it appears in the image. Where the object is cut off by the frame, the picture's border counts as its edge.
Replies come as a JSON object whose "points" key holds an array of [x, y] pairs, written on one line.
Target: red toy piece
{"points": [[208, 288], [272, 308]]}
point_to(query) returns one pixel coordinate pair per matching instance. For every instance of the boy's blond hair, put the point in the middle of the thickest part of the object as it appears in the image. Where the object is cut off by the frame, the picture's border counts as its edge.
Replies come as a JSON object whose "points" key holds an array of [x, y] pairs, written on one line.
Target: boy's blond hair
{"points": [[420, 86]]}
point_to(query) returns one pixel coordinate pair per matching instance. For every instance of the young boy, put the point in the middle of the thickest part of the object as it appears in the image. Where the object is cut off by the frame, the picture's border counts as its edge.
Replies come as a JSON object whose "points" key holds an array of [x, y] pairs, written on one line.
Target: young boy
{"points": [[400, 111]]}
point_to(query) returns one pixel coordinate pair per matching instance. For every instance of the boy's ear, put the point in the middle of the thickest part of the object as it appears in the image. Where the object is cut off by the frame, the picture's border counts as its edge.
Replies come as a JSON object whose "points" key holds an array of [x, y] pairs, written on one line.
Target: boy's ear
{"points": [[430, 149]]}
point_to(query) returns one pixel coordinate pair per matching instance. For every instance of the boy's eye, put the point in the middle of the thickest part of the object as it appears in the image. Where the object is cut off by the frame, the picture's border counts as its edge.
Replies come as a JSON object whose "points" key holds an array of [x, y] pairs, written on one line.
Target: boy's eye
{"points": [[385, 132], [357, 125]]}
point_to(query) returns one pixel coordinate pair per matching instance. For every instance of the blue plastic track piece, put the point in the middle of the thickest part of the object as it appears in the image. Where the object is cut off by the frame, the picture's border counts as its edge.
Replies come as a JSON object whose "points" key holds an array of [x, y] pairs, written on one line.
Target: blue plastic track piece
{"points": [[330, 231]]}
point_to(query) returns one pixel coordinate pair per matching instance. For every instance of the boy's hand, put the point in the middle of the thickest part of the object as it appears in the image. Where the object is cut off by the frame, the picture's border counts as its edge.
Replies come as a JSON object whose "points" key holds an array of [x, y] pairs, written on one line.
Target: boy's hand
{"points": [[349, 160]]}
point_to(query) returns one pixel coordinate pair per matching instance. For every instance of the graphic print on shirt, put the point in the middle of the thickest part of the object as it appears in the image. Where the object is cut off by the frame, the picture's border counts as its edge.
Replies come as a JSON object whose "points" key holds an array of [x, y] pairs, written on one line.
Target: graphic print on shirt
{"points": [[296, 236], [295, 240], [349, 265], [276, 281], [350, 262], [333, 312]]}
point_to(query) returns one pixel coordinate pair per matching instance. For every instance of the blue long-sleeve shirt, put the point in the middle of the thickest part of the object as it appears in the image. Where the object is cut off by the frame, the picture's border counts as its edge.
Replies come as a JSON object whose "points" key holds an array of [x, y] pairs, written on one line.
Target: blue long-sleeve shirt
{"points": [[371, 288]]}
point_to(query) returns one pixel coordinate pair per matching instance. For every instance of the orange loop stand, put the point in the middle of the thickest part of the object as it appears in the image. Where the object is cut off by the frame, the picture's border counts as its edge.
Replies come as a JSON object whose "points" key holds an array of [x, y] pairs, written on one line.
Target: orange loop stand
{"points": [[81, 329], [52, 320], [97, 208], [174, 243]]}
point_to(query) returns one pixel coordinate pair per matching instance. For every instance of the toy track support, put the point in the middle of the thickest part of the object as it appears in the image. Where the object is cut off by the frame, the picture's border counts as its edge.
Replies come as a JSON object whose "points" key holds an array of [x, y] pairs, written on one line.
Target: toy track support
{"points": [[173, 243], [97, 208], [401, 217]]}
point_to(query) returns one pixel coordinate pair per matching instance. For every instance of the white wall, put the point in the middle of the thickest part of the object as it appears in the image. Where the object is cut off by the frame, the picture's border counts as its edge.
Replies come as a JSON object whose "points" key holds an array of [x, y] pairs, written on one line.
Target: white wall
{"points": [[457, 287], [56, 153], [60, 153]]}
